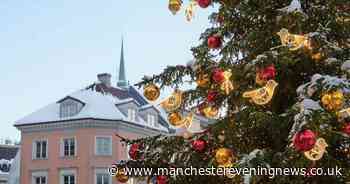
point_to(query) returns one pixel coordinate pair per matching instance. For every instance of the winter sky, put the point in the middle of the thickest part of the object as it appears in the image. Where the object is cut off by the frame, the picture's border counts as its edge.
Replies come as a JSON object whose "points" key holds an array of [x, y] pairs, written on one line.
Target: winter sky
{"points": [[49, 49]]}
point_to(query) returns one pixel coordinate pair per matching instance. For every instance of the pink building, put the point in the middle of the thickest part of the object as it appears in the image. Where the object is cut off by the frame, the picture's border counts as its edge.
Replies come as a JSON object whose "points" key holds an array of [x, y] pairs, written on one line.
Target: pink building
{"points": [[72, 141]]}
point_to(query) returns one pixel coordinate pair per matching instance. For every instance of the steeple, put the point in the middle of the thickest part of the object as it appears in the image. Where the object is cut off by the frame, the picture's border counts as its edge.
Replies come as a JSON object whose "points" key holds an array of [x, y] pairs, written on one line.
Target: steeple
{"points": [[121, 81]]}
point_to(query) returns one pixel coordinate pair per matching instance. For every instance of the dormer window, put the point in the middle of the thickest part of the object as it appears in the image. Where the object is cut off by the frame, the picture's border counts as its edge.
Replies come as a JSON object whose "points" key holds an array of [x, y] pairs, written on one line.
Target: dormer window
{"points": [[69, 107], [131, 114], [151, 119]]}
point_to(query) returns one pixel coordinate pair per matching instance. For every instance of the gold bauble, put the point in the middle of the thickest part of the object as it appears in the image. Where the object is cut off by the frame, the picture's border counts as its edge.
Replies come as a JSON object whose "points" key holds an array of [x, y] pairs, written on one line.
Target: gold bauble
{"points": [[121, 176], [333, 101], [203, 80], [175, 6], [175, 119], [224, 157], [151, 92]]}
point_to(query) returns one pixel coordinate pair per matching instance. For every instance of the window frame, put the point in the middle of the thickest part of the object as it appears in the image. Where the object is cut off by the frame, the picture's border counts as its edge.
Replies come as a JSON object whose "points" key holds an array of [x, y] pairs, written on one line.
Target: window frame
{"points": [[101, 171], [35, 149], [132, 114], [68, 172], [39, 174], [62, 147], [69, 108], [97, 152], [151, 120]]}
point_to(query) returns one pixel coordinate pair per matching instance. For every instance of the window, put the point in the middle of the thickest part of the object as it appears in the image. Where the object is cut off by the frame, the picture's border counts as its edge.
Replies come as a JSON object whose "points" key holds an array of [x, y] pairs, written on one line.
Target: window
{"points": [[40, 149], [69, 108], [40, 180], [151, 119], [103, 146], [102, 177], [132, 114], [68, 177], [39, 177], [68, 147]]}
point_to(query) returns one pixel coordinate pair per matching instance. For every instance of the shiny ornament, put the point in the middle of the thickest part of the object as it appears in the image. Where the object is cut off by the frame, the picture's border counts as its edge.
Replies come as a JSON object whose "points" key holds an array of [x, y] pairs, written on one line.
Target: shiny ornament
{"points": [[204, 3], [333, 101], [199, 145], [317, 152], [134, 151], [218, 75], [151, 92], [224, 157], [203, 80], [262, 95], [267, 73], [212, 95], [304, 140], [189, 12], [214, 42], [121, 176], [346, 129], [174, 6], [162, 179], [175, 119], [293, 41], [173, 102], [227, 85]]}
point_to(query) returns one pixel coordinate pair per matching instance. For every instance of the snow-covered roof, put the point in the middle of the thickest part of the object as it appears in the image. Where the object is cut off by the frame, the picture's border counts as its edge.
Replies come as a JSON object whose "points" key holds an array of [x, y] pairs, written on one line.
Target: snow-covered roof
{"points": [[96, 105]]}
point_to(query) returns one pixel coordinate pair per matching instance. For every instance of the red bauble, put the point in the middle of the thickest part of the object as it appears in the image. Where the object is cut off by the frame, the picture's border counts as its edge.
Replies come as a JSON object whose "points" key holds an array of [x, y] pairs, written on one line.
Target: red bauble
{"points": [[214, 42], [304, 140], [204, 3], [211, 97], [162, 179], [346, 128], [218, 75], [268, 73], [134, 150], [199, 145]]}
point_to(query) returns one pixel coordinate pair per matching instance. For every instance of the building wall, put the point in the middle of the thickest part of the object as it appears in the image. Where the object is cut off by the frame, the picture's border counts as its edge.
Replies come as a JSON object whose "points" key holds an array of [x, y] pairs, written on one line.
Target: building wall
{"points": [[84, 163]]}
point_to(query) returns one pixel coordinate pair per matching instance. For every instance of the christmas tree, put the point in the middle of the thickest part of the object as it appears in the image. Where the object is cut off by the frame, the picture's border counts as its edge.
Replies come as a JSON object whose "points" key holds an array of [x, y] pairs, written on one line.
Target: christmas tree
{"points": [[272, 77]]}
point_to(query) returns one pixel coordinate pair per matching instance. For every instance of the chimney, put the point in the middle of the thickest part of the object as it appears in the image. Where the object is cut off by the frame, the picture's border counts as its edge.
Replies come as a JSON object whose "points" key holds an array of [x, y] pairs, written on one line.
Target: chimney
{"points": [[105, 78]]}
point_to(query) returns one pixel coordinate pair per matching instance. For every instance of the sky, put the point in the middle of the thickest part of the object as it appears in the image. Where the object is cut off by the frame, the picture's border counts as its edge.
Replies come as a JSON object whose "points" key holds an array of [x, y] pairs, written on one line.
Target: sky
{"points": [[49, 49]]}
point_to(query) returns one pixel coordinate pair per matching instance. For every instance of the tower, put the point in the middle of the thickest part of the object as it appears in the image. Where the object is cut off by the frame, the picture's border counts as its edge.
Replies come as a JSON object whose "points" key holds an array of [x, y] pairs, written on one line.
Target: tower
{"points": [[121, 80]]}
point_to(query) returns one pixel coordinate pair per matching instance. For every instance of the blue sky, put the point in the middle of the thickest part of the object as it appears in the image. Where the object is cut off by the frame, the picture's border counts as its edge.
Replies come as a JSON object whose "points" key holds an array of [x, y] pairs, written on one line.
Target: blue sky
{"points": [[49, 49]]}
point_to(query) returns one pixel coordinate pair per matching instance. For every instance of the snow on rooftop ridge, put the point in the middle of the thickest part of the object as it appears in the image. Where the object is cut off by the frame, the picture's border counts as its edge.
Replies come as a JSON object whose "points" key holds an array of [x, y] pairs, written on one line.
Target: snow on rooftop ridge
{"points": [[97, 105]]}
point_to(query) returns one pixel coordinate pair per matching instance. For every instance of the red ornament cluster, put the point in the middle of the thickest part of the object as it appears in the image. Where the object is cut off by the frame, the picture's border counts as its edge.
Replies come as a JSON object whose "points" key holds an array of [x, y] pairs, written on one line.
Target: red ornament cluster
{"points": [[346, 128], [304, 140], [162, 179], [214, 42], [218, 75], [212, 95], [204, 3], [267, 73], [134, 150], [199, 145]]}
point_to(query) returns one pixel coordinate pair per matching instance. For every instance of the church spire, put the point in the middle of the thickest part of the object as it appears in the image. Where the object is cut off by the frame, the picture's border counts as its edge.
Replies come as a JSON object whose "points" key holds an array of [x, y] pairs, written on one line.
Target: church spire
{"points": [[121, 81]]}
